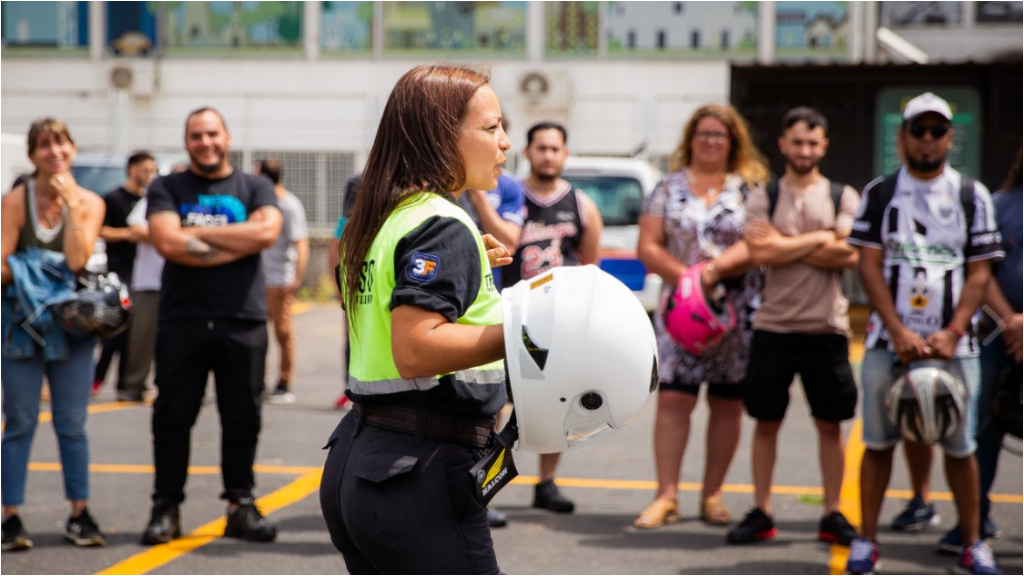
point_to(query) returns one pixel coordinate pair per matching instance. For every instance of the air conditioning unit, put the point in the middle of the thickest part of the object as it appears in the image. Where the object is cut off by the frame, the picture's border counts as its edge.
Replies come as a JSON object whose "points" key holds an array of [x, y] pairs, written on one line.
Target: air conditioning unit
{"points": [[546, 90], [136, 76]]}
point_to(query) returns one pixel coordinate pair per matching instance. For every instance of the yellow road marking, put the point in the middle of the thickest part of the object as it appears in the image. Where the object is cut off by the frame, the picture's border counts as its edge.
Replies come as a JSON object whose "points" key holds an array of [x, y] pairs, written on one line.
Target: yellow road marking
{"points": [[849, 496], [857, 351], [157, 556], [148, 469], [596, 483], [47, 416]]}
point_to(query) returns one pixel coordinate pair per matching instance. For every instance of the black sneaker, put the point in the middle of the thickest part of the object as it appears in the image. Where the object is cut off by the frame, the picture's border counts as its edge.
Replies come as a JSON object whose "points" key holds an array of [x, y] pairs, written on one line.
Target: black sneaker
{"points": [[82, 530], [952, 543], [131, 396], [547, 495], [835, 529], [247, 523], [755, 526], [496, 518], [15, 537], [280, 396], [164, 524], [917, 516]]}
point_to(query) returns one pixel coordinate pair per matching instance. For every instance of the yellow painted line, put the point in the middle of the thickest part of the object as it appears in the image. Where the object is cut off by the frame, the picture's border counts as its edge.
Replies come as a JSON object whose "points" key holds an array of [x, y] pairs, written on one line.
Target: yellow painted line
{"points": [[595, 483], [849, 496], [157, 556], [148, 469], [749, 488], [857, 350], [47, 416]]}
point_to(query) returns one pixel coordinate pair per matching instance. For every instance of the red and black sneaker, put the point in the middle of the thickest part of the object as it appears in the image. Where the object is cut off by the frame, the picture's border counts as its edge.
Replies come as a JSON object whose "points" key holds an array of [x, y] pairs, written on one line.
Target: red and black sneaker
{"points": [[342, 403], [835, 529], [754, 527]]}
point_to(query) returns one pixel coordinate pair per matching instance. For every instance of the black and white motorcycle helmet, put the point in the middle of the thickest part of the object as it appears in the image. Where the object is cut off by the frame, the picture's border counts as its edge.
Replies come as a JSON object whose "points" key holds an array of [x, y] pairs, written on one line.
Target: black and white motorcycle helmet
{"points": [[582, 357], [101, 307], [927, 401]]}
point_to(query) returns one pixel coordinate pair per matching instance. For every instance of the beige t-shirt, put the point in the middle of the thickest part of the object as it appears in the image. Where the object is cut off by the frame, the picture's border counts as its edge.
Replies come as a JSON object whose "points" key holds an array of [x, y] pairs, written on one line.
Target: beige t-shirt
{"points": [[798, 298]]}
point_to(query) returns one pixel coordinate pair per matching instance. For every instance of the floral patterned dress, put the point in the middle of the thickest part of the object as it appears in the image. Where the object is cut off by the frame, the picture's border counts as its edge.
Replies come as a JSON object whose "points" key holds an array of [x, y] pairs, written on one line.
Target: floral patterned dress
{"points": [[695, 232]]}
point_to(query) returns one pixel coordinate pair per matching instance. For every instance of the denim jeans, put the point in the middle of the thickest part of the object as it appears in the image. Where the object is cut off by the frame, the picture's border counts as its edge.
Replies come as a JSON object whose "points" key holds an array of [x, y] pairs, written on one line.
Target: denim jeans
{"points": [[880, 433], [990, 438], [69, 382]]}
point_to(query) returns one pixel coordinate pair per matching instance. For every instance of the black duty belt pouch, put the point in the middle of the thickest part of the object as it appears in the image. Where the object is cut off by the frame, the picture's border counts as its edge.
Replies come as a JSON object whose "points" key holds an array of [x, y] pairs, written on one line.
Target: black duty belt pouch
{"points": [[497, 468]]}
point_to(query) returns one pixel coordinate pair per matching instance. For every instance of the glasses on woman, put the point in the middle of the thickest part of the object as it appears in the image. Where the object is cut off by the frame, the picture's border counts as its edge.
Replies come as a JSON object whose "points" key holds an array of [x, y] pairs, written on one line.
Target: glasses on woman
{"points": [[937, 130], [710, 136]]}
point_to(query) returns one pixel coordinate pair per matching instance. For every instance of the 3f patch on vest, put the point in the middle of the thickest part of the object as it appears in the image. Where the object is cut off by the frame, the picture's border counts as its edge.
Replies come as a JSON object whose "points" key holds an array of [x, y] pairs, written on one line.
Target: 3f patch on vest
{"points": [[423, 267]]}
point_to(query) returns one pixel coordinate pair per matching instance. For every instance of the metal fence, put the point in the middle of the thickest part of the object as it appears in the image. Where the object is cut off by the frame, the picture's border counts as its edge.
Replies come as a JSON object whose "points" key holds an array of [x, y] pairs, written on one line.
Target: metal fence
{"points": [[316, 177]]}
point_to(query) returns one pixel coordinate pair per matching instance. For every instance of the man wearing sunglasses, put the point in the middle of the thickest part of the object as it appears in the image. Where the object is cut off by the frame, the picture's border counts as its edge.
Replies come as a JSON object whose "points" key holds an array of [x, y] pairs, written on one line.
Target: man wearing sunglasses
{"points": [[927, 237]]}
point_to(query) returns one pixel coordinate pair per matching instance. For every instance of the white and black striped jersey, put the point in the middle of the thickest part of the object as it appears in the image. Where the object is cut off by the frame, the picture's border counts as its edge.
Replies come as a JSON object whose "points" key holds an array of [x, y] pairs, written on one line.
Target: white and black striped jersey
{"points": [[927, 243]]}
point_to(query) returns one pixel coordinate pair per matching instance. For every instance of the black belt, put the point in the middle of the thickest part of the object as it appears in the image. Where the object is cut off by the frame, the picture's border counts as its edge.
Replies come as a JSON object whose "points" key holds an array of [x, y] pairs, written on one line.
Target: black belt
{"points": [[472, 431]]}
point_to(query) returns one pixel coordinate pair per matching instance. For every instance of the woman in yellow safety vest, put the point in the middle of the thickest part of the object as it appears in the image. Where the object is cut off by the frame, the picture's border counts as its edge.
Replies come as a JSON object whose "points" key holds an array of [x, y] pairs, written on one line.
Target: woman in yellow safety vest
{"points": [[427, 375]]}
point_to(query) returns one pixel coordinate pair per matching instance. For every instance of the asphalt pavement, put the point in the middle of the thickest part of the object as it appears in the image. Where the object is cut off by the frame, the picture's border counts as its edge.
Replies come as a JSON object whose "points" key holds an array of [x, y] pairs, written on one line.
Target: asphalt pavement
{"points": [[610, 481]]}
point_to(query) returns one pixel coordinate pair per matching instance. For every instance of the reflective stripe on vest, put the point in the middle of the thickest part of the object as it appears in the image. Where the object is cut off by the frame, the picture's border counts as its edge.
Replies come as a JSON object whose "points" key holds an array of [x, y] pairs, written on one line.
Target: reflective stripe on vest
{"points": [[395, 385]]}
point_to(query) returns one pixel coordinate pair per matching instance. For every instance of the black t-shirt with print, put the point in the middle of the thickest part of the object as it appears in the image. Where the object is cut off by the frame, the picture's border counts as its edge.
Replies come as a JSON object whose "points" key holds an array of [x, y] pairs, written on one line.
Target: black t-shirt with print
{"points": [[120, 255], [234, 290]]}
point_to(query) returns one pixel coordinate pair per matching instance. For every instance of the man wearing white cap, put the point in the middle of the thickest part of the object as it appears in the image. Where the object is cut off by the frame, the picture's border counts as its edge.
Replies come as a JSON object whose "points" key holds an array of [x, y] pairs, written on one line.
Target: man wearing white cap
{"points": [[927, 237]]}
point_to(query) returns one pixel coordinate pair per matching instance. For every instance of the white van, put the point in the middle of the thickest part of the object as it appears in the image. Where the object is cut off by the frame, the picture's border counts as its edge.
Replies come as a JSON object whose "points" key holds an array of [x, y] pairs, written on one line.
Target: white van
{"points": [[618, 186], [104, 173]]}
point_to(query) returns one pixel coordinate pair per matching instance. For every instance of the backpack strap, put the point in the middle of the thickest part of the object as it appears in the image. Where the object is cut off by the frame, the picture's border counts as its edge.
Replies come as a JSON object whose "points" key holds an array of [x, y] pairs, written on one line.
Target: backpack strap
{"points": [[837, 189], [773, 198], [887, 189], [967, 199]]}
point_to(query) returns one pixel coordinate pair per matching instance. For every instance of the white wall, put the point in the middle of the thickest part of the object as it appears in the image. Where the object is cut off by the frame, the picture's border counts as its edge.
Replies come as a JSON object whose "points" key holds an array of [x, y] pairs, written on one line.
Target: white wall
{"points": [[609, 107]]}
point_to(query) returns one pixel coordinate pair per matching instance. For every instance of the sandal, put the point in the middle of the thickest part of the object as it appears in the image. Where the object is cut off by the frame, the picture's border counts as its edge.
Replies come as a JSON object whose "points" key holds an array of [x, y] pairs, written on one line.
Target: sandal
{"points": [[657, 514], [713, 510]]}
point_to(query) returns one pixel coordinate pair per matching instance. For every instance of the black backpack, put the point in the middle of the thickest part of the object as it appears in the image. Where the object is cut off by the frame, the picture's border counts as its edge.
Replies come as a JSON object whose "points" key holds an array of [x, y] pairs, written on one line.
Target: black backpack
{"points": [[887, 189]]}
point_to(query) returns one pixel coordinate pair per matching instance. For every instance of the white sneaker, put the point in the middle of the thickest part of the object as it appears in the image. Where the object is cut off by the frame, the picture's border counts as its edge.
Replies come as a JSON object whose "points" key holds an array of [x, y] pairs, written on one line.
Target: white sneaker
{"points": [[280, 396]]}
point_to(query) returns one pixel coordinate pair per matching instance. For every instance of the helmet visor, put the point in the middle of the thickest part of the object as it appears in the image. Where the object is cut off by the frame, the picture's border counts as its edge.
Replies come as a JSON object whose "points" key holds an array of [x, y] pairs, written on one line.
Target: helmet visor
{"points": [[588, 419]]}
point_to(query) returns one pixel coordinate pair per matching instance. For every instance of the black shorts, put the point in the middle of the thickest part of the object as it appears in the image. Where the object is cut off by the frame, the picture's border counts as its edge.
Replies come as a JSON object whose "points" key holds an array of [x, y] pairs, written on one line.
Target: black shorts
{"points": [[821, 360], [720, 390]]}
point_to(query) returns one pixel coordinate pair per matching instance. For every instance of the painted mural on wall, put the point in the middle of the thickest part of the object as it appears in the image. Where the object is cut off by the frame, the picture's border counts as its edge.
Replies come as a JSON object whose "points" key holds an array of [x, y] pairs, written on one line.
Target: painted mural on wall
{"points": [[571, 28], [916, 14], [811, 30], [45, 27], [463, 29], [998, 12], [229, 28], [346, 28], [682, 29]]}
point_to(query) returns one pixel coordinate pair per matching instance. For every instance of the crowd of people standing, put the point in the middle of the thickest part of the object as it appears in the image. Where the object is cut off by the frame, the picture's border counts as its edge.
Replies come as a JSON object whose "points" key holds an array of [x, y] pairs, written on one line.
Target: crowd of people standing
{"points": [[212, 254]]}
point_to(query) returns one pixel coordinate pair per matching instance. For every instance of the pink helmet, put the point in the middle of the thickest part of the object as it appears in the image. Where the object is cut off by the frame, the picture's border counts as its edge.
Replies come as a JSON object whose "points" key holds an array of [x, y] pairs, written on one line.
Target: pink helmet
{"points": [[691, 319]]}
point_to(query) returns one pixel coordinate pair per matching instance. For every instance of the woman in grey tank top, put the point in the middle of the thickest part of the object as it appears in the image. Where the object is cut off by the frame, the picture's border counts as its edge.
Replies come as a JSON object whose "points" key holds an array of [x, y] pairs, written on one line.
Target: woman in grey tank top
{"points": [[49, 211]]}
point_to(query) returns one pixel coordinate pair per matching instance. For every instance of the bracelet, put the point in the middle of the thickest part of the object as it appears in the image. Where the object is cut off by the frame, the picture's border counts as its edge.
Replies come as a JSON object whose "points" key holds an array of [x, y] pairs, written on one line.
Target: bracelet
{"points": [[71, 226], [710, 267], [959, 333]]}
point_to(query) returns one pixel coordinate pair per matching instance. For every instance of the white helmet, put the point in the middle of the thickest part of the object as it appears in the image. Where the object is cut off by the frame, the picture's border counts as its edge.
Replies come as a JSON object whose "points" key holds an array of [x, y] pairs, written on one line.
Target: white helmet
{"points": [[927, 401], [582, 357]]}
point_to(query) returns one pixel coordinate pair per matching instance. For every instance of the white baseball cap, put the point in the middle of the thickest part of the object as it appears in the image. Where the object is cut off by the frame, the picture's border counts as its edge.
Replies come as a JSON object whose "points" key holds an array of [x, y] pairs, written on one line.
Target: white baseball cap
{"points": [[925, 103]]}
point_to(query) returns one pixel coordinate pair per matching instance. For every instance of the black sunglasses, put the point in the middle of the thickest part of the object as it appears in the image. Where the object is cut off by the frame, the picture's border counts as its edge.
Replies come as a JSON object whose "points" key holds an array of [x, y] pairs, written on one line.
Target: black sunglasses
{"points": [[937, 130]]}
